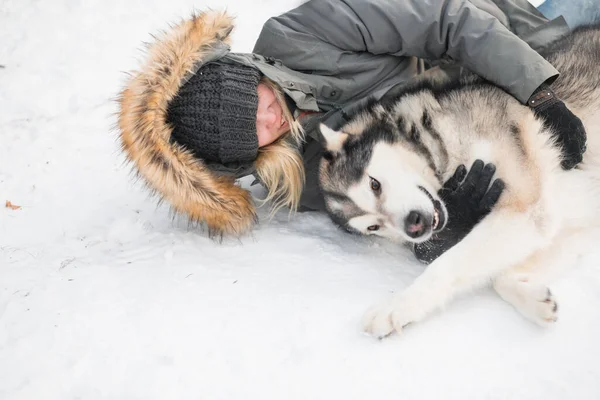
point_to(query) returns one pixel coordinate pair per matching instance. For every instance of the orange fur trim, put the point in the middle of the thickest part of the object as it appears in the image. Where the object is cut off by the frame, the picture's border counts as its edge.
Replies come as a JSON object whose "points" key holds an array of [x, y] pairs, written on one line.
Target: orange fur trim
{"points": [[184, 181]]}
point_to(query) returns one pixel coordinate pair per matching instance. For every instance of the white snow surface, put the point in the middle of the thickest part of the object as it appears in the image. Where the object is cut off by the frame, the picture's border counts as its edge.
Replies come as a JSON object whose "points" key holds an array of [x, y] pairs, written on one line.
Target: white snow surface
{"points": [[103, 295]]}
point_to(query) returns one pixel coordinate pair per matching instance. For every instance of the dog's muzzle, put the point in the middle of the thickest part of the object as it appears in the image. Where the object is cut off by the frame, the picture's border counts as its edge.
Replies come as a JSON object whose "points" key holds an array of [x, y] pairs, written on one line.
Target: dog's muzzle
{"points": [[419, 223]]}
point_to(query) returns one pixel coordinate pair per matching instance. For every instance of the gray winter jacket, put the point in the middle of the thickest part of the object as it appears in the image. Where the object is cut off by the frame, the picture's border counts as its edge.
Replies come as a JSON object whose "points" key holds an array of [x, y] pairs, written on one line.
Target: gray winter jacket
{"points": [[328, 55]]}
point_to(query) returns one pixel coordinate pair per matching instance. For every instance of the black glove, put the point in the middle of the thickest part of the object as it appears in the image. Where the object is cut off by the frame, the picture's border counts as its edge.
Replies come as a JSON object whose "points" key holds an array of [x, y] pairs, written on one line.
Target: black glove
{"points": [[467, 202], [568, 129]]}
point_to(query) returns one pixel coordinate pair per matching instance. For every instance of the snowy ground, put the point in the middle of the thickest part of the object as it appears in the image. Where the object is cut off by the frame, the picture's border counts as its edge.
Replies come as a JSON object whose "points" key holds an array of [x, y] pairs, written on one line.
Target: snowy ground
{"points": [[104, 296]]}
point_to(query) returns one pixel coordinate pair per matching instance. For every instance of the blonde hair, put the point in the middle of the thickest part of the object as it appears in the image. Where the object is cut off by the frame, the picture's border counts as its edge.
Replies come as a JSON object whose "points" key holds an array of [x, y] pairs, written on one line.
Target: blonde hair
{"points": [[279, 166]]}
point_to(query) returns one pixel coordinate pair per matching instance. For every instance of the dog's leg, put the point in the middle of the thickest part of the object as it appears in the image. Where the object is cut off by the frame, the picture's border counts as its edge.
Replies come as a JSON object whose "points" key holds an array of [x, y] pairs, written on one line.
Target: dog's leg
{"points": [[532, 299], [501, 240], [524, 286]]}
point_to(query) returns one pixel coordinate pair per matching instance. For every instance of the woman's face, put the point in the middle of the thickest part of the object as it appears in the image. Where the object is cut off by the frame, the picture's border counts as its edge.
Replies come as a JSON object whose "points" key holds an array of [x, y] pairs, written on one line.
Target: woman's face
{"points": [[270, 123]]}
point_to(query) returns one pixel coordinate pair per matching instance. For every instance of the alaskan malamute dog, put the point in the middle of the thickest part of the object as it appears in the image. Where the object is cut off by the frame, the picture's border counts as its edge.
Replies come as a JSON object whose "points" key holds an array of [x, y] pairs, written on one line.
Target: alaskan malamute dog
{"points": [[382, 170]]}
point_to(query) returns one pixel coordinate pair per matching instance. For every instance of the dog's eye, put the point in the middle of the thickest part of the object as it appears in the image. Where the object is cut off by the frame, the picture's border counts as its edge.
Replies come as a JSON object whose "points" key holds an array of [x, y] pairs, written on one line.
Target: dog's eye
{"points": [[373, 228], [375, 185]]}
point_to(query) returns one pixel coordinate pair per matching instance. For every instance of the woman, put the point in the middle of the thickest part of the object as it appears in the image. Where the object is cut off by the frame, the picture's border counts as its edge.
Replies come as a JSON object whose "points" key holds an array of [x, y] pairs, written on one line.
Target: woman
{"points": [[196, 116]]}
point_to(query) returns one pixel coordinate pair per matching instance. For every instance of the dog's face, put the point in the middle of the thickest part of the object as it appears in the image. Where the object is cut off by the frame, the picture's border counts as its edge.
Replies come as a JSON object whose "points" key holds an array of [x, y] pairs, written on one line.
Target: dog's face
{"points": [[375, 182]]}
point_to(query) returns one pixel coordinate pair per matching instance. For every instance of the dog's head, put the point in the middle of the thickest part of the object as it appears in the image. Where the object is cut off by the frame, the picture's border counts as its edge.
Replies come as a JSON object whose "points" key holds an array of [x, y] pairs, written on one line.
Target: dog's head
{"points": [[377, 177]]}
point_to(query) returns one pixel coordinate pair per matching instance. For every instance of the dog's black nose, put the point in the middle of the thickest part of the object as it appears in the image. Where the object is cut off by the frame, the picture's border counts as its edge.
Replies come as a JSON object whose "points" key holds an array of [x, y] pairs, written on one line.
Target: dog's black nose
{"points": [[414, 224]]}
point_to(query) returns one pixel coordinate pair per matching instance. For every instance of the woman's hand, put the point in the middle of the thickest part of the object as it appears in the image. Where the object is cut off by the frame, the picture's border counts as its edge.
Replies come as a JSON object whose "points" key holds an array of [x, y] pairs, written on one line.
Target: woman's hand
{"points": [[468, 201]]}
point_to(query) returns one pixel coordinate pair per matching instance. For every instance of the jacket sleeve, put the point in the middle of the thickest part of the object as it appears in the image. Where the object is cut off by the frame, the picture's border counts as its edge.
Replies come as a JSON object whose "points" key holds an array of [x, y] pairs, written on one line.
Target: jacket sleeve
{"points": [[429, 29]]}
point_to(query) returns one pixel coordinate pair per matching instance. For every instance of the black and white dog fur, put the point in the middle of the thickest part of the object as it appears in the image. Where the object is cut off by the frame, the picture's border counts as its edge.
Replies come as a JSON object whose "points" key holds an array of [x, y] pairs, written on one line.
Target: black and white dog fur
{"points": [[381, 172]]}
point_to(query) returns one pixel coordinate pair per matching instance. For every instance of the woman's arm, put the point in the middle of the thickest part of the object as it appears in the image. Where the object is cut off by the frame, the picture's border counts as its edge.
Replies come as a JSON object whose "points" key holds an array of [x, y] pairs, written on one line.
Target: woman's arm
{"points": [[429, 29]]}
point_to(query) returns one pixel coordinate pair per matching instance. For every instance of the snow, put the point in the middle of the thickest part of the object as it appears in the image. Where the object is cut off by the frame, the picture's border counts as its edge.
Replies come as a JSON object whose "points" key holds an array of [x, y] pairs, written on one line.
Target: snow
{"points": [[103, 295]]}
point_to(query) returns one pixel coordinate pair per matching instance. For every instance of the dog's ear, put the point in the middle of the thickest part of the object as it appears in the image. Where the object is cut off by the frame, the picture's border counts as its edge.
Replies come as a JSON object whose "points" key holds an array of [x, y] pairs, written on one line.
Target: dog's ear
{"points": [[331, 140]]}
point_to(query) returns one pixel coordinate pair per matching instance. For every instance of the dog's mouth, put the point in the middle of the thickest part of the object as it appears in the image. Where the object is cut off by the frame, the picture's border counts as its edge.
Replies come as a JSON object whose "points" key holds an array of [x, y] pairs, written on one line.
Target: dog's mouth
{"points": [[439, 216]]}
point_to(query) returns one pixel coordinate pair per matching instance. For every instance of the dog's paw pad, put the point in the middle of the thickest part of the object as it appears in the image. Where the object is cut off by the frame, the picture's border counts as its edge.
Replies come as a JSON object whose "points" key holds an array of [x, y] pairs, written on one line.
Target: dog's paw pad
{"points": [[548, 308], [537, 303]]}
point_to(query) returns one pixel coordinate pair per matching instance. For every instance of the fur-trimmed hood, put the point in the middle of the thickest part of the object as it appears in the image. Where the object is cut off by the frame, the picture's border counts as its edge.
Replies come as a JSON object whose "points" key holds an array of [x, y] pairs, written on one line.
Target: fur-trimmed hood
{"points": [[179, 178]]}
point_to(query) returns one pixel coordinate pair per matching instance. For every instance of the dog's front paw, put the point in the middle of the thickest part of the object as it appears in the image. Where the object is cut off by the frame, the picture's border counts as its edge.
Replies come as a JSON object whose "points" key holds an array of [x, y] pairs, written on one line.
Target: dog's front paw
{"points": [[378, 321], [384, 319]]}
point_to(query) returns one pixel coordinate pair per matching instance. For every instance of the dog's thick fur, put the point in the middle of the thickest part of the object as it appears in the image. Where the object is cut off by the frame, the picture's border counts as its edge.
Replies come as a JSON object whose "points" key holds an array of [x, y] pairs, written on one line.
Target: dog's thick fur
{"points": [[412, 143], [171, 171]]}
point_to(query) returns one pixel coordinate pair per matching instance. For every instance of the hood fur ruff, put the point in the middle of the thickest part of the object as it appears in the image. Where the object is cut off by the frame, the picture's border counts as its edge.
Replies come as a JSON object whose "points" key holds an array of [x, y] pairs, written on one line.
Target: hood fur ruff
{"points": [[178, 177]]}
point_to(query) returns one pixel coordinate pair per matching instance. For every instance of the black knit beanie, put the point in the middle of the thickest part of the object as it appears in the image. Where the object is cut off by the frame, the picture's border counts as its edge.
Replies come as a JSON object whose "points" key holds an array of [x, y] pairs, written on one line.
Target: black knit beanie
{"points": [[214, 113]]}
